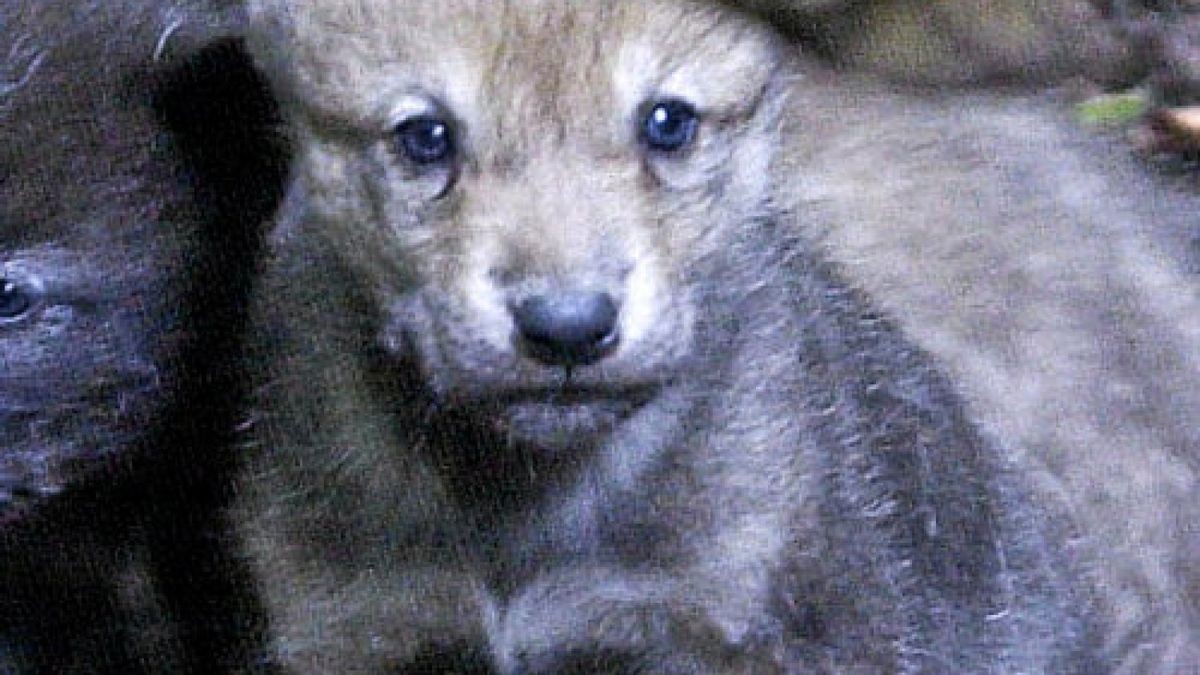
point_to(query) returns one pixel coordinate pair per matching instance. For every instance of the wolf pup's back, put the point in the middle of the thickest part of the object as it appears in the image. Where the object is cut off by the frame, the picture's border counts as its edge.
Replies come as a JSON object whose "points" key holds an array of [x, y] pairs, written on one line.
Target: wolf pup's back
{"points": [[1055, 278]]}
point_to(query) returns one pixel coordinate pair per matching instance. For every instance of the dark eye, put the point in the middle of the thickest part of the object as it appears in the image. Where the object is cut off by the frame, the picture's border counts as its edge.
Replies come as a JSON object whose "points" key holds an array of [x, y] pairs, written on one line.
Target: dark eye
{"points": [[425, 140], [14, 300], [670, 125]]}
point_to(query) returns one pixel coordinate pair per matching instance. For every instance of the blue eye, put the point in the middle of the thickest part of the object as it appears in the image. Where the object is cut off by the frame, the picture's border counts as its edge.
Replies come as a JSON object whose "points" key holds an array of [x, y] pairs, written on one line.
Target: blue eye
{"points": [[670, 125], [425, 140], [14, 301]]}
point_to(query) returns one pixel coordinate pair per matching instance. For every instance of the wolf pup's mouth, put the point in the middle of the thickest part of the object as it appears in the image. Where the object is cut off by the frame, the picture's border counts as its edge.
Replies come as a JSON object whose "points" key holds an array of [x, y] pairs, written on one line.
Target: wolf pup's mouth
{"points": [[567, 416]]}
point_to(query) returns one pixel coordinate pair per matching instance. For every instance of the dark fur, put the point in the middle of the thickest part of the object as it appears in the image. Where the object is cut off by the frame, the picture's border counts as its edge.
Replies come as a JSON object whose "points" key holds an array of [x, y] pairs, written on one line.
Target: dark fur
{"points": [[133, 178], [781, 483], [964, 42]]}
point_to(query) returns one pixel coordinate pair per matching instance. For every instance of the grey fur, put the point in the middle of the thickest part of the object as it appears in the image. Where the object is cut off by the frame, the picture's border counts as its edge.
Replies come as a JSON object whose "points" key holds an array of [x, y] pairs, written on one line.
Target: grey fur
{"points": [[1056, 279]]}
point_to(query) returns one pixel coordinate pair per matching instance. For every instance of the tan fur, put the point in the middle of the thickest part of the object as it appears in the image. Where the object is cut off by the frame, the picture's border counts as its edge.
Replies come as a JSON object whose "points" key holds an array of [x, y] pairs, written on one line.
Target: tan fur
{"points": [[1046, 270]]}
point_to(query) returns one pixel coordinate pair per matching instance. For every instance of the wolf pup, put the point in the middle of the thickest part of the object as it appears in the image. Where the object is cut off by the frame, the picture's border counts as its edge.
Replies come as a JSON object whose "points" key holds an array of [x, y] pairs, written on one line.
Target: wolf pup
{"points": [[544, 387], [131, 191]]}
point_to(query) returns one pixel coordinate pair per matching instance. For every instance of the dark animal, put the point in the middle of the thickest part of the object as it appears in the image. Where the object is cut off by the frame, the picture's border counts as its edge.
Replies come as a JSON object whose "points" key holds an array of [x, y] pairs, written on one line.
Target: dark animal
{"points": [[135, 169]]}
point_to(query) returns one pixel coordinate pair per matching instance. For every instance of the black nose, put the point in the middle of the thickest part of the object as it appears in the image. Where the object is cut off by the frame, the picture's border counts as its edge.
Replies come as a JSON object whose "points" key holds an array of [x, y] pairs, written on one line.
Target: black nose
{"points": [[567, 329]]}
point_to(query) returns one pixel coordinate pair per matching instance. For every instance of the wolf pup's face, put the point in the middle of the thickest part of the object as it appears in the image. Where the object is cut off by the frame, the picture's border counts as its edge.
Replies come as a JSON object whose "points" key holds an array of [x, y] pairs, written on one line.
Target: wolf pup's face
{"points": [[531, 189], [87, 266]]}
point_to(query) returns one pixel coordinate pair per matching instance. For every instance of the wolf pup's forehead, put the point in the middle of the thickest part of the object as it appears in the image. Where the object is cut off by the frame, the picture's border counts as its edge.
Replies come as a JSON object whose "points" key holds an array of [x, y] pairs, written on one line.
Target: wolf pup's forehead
{"points": [[351, 58]]}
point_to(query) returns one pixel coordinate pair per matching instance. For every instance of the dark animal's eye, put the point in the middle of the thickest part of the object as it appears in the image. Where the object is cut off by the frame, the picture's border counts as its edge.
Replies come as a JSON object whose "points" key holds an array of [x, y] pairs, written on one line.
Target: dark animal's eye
{"points": [[14, 300], [425, 140], [670, 125]]}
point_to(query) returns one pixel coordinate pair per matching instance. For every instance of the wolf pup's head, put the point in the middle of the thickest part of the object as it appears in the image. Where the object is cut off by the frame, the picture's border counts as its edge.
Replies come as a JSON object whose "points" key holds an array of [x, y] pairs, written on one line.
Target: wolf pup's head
{"points": [[531, 190], [112, 262]]}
